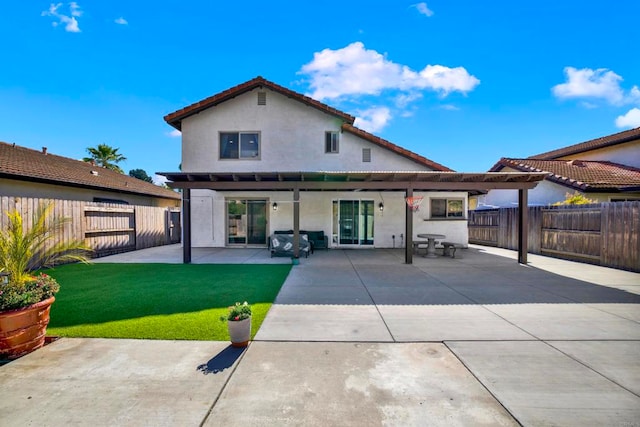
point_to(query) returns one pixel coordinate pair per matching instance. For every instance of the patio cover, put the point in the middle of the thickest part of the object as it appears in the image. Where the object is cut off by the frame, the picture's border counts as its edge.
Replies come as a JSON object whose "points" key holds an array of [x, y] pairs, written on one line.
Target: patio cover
{"points": [[407, 181]]}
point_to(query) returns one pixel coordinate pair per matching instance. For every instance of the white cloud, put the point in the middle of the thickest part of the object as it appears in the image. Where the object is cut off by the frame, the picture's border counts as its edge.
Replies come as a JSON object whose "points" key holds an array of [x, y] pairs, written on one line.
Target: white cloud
{"points": [[588, 105], [587, 83], [634, 95], [75, 9], [174, 133], [121, 21], [373, 119], [354, 70], [405, 99], [450, 107], [70, 22], [423, 9], [629, 120]]}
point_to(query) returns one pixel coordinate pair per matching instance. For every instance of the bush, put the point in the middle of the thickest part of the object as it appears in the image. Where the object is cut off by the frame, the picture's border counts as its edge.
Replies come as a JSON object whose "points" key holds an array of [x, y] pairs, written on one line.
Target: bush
{"points": [[14, 295]]}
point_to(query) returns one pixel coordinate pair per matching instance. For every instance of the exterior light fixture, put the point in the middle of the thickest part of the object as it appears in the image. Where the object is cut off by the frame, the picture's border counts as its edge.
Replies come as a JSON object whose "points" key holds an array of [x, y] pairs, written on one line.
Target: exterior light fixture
{"points": [[381, 206], [275, 206], [4, 277]]}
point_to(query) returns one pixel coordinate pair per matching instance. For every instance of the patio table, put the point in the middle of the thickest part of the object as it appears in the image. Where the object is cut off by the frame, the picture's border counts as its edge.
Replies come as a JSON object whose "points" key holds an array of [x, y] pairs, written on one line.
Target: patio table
{"points": [[431, 243]]}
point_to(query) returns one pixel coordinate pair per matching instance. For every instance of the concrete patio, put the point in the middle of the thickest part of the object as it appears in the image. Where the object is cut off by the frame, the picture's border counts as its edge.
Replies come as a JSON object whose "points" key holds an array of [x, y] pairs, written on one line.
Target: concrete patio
{"points": [[359, 338]]}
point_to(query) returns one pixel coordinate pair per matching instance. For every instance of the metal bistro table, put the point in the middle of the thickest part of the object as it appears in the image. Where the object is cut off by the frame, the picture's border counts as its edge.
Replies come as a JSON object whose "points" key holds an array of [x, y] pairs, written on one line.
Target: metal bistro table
{"points": [[431, 243]]}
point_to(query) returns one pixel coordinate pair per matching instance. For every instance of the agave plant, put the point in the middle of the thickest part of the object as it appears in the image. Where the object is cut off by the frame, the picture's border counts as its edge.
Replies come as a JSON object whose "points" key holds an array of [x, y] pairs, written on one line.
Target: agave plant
{"points": [[22, 251]]}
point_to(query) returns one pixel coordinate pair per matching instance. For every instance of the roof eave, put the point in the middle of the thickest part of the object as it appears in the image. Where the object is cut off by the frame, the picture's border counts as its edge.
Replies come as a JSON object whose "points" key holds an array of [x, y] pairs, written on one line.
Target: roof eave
{"points": [[50, 181]]}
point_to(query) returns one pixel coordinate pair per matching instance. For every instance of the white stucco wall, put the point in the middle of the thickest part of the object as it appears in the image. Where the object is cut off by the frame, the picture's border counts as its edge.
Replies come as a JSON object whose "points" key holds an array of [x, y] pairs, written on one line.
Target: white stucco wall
{"points": [[11, 187], [544, 194], [292, 138], [209, 222], [626, 154]]}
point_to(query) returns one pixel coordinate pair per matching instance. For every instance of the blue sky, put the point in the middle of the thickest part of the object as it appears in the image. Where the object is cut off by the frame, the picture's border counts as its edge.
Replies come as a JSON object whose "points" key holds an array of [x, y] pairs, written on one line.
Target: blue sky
{"points": [[461, 82]]}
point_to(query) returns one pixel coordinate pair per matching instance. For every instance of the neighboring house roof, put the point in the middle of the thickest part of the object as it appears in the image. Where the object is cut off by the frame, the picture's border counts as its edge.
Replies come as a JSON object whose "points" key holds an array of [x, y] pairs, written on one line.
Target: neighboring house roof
{"points": [[605, 141], [396, 148], [25, 164], [175, 118], [583, 175]]}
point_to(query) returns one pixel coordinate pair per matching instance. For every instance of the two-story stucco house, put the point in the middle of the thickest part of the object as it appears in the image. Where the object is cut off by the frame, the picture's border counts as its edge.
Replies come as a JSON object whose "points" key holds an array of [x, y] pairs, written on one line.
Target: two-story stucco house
{"points": [[261, 127], [258, 158]]}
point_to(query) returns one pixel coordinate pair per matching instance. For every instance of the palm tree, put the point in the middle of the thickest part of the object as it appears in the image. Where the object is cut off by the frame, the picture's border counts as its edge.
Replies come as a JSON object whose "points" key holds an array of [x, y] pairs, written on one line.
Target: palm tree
{"points": [[105, 156]]}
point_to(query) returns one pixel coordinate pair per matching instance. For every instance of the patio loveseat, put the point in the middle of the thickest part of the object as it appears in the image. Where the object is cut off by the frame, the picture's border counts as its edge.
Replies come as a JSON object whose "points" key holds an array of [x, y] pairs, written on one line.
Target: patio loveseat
{"points": [[281, 244], [317, 239]]}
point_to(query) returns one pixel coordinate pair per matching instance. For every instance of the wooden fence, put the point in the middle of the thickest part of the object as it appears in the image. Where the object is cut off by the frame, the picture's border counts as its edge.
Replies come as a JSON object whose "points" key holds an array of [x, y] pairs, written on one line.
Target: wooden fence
{"points": [[107, 228], [606, 234]]}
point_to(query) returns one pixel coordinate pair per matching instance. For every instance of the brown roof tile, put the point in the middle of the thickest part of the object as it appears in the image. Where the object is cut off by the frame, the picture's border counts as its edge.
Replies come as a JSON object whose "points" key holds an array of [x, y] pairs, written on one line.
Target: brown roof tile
{"points": [[175, 118], [395, 148], [605, 141], [25, 164], [584, 175]]}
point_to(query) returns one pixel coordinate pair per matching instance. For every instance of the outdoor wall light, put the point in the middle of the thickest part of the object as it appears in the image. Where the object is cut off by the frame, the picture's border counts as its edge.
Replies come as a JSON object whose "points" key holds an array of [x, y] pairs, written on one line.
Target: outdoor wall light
{"points": [[381, 206], [4, 277], [275, 206]]}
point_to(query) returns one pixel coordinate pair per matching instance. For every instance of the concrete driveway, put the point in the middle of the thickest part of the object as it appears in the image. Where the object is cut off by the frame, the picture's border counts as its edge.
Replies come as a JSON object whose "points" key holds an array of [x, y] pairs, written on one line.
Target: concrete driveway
{"points": [[358, 338]]}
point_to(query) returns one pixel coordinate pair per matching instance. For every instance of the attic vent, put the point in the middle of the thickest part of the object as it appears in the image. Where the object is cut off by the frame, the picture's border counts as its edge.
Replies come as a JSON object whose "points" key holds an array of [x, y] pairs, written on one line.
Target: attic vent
{"points": [[366, 155], [262, 98], [578, 163]]}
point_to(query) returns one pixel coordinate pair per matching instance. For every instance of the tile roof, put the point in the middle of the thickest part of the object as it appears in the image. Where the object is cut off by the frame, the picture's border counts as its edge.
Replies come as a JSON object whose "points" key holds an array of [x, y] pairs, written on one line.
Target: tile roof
{"points": [[395, 148], [583, 175], [175, 118], [605, 141], [25, 164]]}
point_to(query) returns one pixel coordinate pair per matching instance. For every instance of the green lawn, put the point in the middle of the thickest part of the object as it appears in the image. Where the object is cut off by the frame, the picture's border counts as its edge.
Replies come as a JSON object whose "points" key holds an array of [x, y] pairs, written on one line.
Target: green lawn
{"points": [[159, 301]]}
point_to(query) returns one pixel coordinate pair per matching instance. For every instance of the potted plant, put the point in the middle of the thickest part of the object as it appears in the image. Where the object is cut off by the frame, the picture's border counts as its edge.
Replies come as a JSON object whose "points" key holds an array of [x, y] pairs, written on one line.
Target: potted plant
{"points": [[239, 324], [25, 299]]}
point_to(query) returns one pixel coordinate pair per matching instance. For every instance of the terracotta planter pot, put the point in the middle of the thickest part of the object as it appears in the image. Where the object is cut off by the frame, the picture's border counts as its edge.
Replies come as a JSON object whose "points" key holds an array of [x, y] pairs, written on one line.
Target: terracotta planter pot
{"points": [[239, 332], [23, 330]]}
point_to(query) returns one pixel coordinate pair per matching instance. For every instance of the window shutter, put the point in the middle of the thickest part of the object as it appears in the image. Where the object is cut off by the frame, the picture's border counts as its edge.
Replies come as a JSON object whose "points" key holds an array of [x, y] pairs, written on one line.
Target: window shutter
{"points": [[366, 155]]}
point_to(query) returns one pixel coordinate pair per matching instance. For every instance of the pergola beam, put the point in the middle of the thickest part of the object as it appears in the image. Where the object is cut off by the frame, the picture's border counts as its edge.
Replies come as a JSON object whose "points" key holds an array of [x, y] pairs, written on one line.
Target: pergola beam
{"points": [[352, 185]]}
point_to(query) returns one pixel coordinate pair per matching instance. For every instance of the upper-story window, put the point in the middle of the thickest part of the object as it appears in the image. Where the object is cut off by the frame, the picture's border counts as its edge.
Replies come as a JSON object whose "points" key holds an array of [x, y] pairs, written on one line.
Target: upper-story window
{"points": [[447, 208], [239, 145], [331, 142]]}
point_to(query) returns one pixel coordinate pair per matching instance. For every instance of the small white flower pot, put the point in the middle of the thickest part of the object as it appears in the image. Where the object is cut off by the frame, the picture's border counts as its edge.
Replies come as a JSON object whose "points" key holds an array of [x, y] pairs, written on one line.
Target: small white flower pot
{"points": [[239, 332]]}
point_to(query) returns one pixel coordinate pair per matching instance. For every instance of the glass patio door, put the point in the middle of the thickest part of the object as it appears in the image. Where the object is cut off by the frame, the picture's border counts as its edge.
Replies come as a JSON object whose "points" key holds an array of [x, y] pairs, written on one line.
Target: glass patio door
{"points": [[353, 221], [246, 222]]}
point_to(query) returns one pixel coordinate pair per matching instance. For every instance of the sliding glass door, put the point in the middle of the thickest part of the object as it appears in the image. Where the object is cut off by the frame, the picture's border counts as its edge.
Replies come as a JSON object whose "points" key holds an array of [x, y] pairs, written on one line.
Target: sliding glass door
{"points": [[246, 222], [353, 222]]}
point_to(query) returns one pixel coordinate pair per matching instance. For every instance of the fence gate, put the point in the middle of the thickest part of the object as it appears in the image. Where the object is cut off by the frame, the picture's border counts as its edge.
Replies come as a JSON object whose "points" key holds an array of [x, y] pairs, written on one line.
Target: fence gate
{"points": [[173, 226]]}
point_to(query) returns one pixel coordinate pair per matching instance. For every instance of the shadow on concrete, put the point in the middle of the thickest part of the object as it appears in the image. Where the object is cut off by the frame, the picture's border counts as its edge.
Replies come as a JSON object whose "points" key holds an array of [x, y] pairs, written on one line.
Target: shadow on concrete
{"points": [[221, 361]]}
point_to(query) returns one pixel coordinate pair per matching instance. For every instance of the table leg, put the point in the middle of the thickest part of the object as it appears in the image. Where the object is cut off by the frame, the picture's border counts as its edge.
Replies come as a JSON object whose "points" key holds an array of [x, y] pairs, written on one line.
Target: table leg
{"points": [[431, 248]]}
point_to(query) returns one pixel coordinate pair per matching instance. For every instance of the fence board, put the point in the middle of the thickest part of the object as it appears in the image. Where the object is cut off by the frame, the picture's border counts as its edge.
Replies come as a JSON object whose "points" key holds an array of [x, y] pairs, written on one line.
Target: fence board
{"points": [[605, 234], [107, 228]]}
